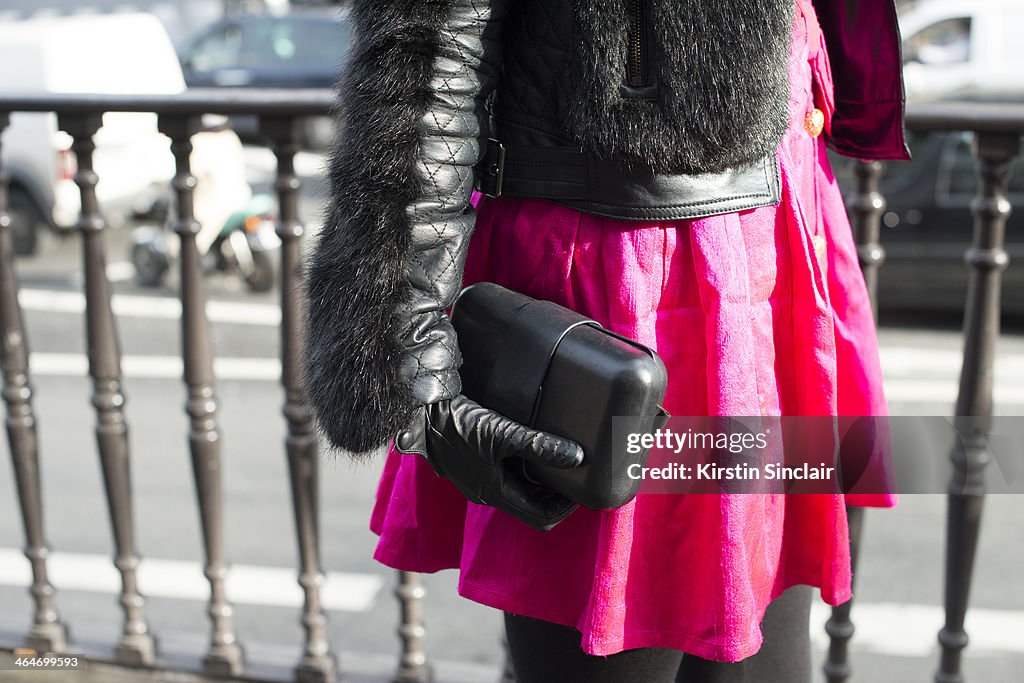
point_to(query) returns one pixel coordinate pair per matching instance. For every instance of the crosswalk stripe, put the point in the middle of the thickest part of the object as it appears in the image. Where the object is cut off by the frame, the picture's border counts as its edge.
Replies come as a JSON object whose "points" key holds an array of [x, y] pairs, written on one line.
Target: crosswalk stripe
{"points": [[909, 361], [157, 367], [897, 390], [245, 584], [909, 630], [160, 307], [943, 391], [886, 628], [912, 374]]}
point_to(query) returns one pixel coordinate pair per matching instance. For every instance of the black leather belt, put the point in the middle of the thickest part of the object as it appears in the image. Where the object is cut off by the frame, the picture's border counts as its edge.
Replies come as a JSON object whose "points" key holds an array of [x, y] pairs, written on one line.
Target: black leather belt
{"points": [[571, 176]]}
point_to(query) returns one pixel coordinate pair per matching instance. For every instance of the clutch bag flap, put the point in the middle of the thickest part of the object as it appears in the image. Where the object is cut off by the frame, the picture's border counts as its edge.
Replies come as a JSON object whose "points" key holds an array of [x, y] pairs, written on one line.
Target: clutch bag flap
{"points": [[556, 370]]}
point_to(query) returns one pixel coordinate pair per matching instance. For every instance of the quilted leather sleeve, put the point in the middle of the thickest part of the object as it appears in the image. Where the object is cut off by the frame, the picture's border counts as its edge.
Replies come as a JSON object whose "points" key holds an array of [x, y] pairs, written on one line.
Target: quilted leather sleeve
{"points": [[389, 258]]}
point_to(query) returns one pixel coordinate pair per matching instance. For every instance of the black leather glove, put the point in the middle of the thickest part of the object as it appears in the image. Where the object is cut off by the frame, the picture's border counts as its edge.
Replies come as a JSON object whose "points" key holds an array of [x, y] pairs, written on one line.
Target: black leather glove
{"points": [[482, 452]]}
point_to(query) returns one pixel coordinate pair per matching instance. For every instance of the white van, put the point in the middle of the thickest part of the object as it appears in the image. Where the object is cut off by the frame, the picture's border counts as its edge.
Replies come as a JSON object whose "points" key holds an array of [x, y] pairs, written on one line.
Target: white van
{"points": [[957, 49], [125, 54]]}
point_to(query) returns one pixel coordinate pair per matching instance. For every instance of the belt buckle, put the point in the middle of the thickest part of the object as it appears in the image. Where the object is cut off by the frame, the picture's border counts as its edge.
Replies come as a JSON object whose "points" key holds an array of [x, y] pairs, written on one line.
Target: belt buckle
{"points": [[495, 169]]}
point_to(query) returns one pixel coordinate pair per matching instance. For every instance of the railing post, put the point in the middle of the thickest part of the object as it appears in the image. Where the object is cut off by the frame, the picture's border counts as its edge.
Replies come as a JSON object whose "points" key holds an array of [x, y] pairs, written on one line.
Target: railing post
{"points": [[413, 666], [47, 634], [986, 259], [318, 663], [866, 207], [137, 646], [224, 656]]}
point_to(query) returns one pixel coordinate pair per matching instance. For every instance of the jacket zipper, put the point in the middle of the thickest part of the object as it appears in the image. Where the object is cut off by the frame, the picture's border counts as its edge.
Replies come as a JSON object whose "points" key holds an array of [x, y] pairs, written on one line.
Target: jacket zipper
{"points": [[636, 64]]}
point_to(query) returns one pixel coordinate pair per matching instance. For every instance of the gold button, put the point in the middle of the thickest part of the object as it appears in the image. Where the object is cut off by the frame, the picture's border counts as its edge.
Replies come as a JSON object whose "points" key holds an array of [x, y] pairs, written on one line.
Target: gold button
{"points": [[814, 122], [819, 245]]}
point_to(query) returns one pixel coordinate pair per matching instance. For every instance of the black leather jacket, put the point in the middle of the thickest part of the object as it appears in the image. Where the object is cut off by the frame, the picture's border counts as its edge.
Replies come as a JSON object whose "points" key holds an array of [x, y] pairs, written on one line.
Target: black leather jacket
{"points": [[628, 108], [646, 109]]}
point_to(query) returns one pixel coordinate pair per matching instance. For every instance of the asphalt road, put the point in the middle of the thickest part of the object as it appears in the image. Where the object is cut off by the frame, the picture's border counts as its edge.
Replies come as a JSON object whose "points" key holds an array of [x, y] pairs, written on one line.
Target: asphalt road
{"points": [[898, 590]]}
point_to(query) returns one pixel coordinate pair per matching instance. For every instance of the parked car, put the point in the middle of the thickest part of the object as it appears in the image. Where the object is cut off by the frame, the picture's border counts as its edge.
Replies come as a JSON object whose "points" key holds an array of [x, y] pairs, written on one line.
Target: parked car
{"points": [[927, 225], [302, 49], [956, 49], [83, 54]]}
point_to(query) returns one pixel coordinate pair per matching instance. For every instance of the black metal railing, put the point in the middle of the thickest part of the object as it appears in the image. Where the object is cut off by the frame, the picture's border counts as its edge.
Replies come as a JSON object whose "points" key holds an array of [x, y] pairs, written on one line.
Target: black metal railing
{"points": [[179, 119], [997, 131]]}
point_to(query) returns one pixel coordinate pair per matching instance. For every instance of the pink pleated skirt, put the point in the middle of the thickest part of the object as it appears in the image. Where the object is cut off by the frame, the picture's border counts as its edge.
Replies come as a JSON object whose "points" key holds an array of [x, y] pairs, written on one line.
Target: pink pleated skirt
{"points": [[760, 312]]}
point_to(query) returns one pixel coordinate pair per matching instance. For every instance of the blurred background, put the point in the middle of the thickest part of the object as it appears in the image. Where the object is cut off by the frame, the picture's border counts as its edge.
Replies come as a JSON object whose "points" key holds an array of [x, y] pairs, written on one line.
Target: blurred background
{"points": [[953, 50]]}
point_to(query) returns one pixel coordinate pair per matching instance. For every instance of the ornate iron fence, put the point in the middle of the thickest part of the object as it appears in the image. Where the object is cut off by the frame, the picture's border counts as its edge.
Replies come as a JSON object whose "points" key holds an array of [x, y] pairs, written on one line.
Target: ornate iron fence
{"points": [[997, 130]]}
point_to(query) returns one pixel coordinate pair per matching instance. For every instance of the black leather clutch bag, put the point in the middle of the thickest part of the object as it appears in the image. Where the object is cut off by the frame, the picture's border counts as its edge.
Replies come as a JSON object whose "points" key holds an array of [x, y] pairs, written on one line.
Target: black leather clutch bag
{"points": [[553, 369]]}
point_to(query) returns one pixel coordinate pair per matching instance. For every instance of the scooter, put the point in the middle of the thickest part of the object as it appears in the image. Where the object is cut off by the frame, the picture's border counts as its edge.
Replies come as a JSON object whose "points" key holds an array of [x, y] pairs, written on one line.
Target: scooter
{"points": [[246, 244]]}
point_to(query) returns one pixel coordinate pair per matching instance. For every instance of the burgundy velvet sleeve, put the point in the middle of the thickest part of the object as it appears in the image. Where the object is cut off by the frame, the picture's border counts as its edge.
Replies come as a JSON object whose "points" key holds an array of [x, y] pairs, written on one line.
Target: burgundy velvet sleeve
{"points": [[864, 47]]}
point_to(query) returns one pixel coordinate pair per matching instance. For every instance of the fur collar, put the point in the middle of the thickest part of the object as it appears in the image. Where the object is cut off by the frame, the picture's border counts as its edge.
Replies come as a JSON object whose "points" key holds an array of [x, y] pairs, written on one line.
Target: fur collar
{"points": [[722, 71]]}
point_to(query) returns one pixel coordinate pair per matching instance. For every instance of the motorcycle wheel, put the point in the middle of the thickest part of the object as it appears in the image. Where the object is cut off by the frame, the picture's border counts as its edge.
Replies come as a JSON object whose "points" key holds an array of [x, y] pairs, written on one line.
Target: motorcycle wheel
{"points": [[150, 265], [25, 223], [261, 277]]}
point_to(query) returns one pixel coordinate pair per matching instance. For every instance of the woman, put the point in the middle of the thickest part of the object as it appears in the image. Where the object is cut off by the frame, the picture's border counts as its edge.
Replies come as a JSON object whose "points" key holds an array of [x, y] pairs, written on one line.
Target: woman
{"points": [[658, 166]]}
